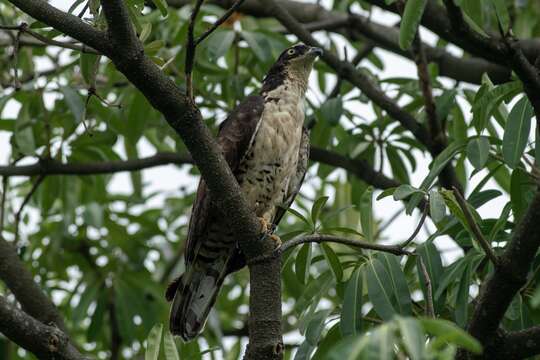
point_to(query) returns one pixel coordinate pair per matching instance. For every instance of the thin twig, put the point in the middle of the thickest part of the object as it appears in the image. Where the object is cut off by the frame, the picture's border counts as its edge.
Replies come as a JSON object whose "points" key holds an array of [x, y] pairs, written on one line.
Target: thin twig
{"points": [[320, 238], [16, 46], [191, 48], [361, 55], [5, 181], [219, 21], [430, 309], [23, 28], [418, 227], [27, 198], [475, 229]]}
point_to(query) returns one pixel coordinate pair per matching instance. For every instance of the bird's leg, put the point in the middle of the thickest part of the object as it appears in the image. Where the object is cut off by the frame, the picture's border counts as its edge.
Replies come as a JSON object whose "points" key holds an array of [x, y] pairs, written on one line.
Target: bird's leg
{"points": [[264, 225], [276, 240], [267, 228]]}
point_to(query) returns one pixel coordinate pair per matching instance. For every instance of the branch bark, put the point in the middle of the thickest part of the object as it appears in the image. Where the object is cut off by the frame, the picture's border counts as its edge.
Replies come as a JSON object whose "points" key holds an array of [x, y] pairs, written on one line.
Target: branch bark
{"points": [[509, 276], [321, 238], [46, 342], [20, 281]]}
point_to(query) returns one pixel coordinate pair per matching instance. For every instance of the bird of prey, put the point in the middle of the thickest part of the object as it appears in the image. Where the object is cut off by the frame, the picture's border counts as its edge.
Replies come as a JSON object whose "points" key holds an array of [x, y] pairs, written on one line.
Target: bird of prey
{"points": [[266, 145]]}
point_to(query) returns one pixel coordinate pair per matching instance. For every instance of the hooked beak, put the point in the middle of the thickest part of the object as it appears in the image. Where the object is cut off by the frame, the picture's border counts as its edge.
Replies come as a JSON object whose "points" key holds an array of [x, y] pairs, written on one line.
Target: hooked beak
{"points": [[315, 51]]}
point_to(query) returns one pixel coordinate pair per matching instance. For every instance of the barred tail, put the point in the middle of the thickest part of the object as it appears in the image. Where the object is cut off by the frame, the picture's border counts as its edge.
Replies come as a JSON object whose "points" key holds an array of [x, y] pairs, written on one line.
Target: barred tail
{"points": [[195, 295]]}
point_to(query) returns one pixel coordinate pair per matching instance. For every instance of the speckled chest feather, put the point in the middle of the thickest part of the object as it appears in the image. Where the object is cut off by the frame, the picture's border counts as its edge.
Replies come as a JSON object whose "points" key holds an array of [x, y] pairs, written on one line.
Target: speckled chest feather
{"points": [[271, 161]]}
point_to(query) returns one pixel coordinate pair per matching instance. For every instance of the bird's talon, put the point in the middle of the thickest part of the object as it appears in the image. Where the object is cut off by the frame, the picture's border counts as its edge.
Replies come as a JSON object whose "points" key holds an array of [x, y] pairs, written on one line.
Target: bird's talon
{"points": [[264, 225], [277, 240]]}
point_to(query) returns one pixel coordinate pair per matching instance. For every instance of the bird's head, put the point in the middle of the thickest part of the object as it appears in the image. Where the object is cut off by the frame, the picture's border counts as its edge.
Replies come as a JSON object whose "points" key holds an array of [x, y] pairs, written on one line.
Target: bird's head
{"points": [[294, 64]]}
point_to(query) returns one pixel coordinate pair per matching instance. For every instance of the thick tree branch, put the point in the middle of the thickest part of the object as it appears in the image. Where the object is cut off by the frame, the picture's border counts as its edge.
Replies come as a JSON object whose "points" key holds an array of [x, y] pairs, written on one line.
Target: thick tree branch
{"points": [[53, 167], [521, 344], [509, 277], [21, 283], [46, 342]]}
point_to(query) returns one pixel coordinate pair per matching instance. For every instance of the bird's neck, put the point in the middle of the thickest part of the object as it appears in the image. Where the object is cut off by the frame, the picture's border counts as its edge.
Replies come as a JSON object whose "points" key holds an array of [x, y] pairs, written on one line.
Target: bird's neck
{"points": [[293, 90]]}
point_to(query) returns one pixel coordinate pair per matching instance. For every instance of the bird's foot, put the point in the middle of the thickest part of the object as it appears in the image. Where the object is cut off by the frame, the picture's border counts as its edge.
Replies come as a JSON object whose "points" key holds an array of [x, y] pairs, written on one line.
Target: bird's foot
{"points": [[277, 240], [265, 225]]}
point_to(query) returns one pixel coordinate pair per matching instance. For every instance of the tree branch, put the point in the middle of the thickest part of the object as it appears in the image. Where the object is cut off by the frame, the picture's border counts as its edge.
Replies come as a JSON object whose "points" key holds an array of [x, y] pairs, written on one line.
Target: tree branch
{"points": [[20, 281], [46, 342], [64, 22], [509, 277], [220, 21], [321, 238], [52, 167], [522, 344], [482, 241], [23, 29]]}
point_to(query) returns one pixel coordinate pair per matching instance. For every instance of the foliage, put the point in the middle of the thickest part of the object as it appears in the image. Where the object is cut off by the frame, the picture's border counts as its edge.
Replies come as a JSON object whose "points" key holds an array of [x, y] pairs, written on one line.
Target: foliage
{"points": [[105, 255]]}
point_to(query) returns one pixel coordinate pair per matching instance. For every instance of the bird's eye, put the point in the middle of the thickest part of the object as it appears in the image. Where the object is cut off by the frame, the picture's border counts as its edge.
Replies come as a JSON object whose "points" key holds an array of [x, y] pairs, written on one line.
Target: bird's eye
{"points": [[291, 52]]}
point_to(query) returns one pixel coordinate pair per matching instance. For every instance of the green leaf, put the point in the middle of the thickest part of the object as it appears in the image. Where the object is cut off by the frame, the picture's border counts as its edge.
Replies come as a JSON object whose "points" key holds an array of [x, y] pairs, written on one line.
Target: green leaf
{"points": [[516, 132], [488, 99], [74, 102], [503, 16], [93, 215], [522, 188], [87, 297], [24, 136], [462, 298], [413, 337], [404, 191], [386, 193], [478, 152], [351, 315], [447, 331], [169, 347], [396, 163], [96, 325], [316, 326], [379, 289], [333, 261], [153, 343], [318, 205], [414, 9], [162, 6], [501, 221], [432, 260], [219, 43], [303, 261], [437, 207], [331, 110], [380, 344], [366, 213], [535, 300], [398, 283], [89, 65], [437, 166], [259, 44]]}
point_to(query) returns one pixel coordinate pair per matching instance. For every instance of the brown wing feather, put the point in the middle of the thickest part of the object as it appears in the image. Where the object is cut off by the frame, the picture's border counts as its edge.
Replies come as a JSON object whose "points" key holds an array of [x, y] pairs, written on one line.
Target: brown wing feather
{"points": [[235, 136]]}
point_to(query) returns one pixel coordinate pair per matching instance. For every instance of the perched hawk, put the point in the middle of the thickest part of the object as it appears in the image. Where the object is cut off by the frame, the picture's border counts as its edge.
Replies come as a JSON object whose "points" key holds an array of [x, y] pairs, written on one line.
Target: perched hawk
{"points": [[266, 146]]}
